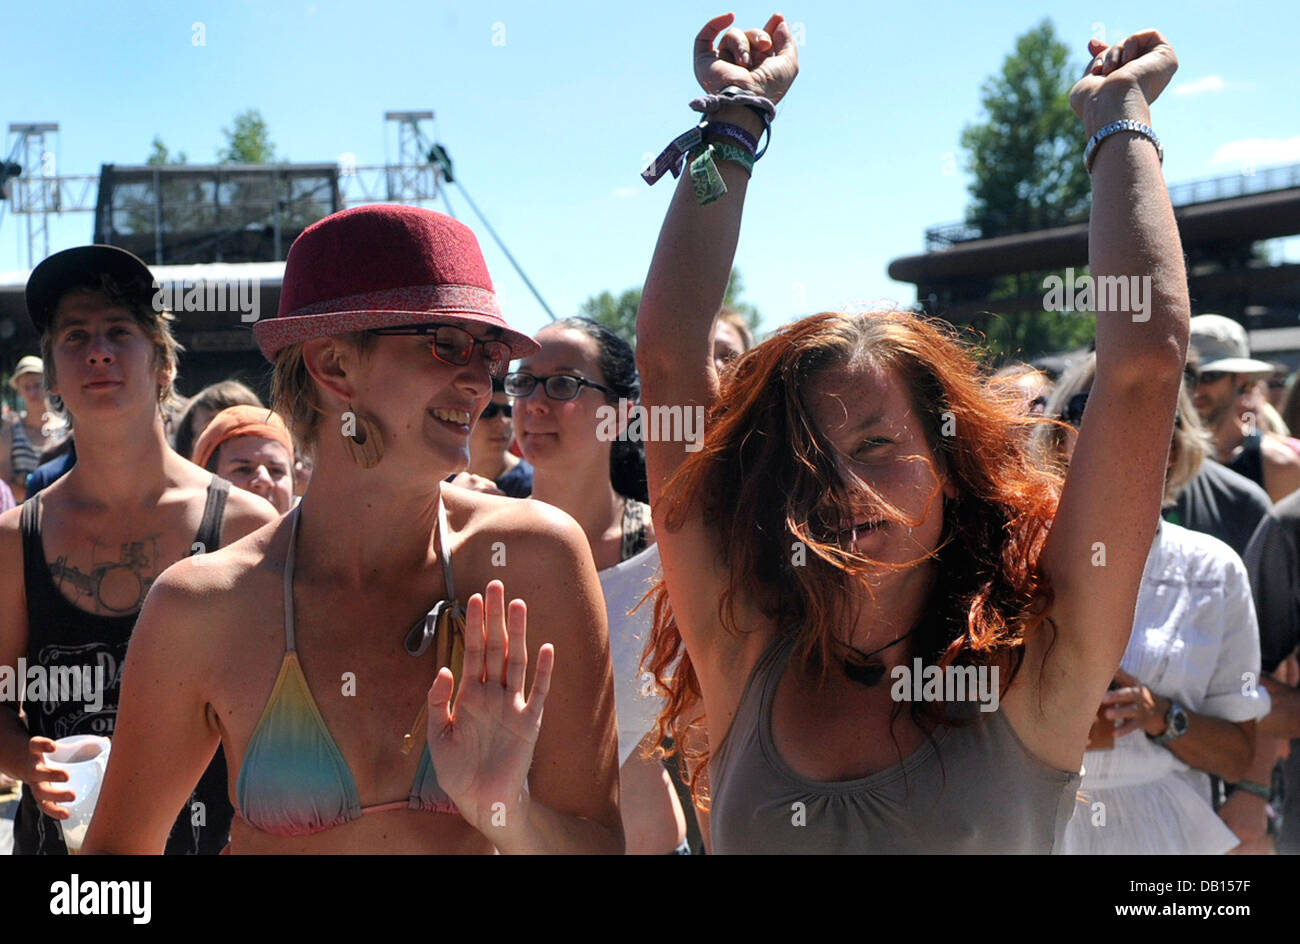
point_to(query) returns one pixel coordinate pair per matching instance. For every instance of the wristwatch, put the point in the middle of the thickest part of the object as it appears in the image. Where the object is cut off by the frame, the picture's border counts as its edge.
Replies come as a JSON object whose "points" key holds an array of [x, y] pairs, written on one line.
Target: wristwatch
{"points": [[1175, 725]]}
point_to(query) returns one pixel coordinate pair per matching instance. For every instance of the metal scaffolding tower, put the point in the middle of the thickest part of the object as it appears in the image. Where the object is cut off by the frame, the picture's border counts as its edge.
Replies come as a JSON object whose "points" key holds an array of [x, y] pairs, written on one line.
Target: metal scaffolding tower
{"points": [[414, 177], [36, 193]]}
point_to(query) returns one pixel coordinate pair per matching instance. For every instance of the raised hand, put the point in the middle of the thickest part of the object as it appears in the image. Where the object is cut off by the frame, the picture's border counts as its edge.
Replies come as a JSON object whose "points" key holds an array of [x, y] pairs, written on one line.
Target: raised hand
{"points": [[1144, 61], [482, 748], [762, 61]]}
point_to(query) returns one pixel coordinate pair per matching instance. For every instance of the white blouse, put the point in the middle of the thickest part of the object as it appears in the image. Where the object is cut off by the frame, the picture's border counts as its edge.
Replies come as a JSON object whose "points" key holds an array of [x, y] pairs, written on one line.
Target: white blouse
{"points": [[624, 585], [1195, 640]]}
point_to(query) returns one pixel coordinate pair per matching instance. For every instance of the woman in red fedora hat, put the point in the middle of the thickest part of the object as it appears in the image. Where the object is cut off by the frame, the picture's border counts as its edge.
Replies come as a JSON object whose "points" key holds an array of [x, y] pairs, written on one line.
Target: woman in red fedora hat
{"points": [[366, 702]]}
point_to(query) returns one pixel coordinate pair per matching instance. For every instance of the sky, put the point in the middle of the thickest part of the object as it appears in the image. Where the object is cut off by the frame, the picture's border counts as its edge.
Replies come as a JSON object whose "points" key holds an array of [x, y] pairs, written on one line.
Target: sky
{"points": [[549, 110]]}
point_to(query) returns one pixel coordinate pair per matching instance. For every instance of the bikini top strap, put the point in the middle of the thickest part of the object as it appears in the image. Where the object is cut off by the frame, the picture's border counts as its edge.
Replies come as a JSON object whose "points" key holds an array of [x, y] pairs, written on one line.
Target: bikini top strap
{"points": [[442, 549], [288, 580]]}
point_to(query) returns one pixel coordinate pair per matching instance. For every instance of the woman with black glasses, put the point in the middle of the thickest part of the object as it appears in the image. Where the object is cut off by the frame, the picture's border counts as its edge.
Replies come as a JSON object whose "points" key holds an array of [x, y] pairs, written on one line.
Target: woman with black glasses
{"points": [[573, 411]]}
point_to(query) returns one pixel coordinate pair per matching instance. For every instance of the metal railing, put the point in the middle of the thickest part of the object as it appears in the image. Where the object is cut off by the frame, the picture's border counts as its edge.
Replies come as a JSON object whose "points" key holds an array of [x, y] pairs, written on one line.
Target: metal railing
{"points": [[1245, 183]]}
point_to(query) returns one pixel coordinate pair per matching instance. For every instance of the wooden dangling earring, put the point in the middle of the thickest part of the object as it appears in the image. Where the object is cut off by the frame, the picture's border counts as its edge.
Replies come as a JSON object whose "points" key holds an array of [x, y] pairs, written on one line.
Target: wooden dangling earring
{"points": [[362, 439]]}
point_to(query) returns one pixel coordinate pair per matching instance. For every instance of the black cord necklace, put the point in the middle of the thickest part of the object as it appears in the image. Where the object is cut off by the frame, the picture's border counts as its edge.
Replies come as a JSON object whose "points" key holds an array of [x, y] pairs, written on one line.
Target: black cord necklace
{"points": [[869, 675]]}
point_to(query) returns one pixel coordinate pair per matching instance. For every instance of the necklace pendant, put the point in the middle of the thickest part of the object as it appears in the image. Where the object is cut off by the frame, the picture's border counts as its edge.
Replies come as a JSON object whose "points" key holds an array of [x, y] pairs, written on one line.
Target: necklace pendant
{"points": [[868, 675]]}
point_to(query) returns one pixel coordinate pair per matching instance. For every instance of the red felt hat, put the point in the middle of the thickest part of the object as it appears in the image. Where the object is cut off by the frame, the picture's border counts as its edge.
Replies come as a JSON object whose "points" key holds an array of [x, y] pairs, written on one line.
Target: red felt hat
{"points": [[382, 266]]}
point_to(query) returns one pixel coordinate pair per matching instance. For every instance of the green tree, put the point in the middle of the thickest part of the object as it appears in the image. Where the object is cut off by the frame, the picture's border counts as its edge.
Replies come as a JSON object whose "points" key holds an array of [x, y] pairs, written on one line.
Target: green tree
{"points": [[1025, 155], [615, 312], [1028, 174], [249, 142], [160, 155], [618, 312]]}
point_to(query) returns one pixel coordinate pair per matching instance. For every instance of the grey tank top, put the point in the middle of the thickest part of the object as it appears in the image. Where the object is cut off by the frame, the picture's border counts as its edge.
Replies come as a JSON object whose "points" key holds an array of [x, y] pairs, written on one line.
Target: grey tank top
{"points": [[969, 789]]}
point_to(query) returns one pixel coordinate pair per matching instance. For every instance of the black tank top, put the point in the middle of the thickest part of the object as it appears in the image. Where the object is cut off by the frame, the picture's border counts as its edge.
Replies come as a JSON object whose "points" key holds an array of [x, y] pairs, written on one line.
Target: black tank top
{"points": [[60, 634], [1248, 462]]}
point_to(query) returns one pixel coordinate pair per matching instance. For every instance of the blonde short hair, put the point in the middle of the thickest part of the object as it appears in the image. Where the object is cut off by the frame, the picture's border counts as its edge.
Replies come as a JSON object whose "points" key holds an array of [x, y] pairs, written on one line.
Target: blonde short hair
{"points": [[293, 392], [1191, 441]]}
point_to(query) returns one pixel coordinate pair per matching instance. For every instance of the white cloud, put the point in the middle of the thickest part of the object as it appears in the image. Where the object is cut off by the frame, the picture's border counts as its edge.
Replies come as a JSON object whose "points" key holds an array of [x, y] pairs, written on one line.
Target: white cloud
{"points": [[1257, 152], [1211, 83], [623, 192]]}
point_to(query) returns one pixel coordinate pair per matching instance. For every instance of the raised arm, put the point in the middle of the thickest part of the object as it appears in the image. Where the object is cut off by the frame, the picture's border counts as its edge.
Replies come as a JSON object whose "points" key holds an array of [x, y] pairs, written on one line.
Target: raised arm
{"points": [[1110, 505], [692, 260], [682, 294]]}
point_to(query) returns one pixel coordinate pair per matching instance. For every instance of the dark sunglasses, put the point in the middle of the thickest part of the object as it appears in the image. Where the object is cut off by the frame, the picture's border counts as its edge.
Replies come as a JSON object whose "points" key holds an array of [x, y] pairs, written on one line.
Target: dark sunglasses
{"points": [[557, 386], [493, 410], [455, 346], [1211, 376]]}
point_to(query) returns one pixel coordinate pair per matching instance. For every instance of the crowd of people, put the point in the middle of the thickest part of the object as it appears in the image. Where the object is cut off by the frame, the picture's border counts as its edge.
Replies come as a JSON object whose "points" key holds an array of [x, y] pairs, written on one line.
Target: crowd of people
{"points": [[446, 592]]}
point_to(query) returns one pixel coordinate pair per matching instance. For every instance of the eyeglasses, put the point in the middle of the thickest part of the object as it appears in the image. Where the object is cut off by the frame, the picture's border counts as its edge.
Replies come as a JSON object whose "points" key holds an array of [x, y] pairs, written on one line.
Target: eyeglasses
{"points": [[493, 410], [1212, 376], [455, 346], [557, 386]]}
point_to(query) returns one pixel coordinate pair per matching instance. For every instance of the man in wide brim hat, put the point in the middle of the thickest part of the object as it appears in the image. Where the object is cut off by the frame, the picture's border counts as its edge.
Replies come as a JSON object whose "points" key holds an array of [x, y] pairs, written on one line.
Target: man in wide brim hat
{"points": [[1224, 389]]}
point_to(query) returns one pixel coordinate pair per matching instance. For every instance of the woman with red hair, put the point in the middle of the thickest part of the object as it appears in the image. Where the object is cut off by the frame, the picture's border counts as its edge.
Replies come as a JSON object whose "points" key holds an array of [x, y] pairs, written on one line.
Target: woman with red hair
{"points": [[862, 543]]}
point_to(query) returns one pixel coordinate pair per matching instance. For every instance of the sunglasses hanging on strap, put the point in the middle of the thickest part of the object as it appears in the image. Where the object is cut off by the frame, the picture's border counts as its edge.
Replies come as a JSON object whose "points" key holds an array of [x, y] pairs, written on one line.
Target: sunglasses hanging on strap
{"points": [[443, 630]]}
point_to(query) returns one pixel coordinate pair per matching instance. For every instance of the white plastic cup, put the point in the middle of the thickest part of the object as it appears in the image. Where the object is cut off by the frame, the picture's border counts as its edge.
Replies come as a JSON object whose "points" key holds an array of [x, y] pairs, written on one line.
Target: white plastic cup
{"points": [[85, 758]]}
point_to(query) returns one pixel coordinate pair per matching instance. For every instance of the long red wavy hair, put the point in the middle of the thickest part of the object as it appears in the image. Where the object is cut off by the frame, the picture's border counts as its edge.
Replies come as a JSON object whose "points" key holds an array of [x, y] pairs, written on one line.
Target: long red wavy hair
{"points": [[765, 475]]}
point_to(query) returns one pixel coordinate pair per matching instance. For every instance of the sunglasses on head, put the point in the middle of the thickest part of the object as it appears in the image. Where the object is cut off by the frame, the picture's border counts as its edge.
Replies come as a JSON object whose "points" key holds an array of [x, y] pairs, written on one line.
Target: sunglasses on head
{"points": [[493, 410], [455, 346]]}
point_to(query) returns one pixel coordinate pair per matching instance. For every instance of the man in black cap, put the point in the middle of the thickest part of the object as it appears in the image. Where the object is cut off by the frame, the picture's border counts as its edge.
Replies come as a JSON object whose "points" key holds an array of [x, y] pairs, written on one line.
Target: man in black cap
{"points": [[93, 542]]}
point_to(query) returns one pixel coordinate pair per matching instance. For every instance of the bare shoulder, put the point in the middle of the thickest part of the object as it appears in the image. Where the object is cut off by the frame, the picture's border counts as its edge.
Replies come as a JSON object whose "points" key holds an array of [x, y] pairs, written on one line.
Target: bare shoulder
{"points": [[11, 553], [524, 522], [204, 598], [245, 513]]}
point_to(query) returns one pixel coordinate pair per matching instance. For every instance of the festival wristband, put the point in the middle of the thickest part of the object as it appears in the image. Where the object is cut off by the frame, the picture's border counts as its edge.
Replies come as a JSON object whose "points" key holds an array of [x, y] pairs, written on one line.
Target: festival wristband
{"points": [[705, 177], [732, 133], [671, 157]]}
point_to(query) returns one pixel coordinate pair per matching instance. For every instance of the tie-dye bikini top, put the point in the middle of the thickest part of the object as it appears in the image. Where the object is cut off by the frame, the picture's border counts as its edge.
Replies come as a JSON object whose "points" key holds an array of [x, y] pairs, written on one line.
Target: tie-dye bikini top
{"points": [[294, 780]]}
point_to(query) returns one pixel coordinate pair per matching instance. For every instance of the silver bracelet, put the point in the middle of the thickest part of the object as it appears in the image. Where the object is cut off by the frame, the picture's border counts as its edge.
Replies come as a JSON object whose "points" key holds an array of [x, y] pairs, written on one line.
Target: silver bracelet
{"points": [[1125, 124]]}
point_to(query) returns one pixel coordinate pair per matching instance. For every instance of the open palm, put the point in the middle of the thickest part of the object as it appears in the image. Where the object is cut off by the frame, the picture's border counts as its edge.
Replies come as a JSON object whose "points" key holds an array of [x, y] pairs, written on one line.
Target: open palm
{"points": [[482, 747]]}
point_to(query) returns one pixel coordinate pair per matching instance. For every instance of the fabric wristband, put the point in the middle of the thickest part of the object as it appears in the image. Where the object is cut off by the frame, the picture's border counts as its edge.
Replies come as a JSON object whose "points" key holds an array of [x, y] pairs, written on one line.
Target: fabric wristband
{"points": [[705, 177], [735, 133]]}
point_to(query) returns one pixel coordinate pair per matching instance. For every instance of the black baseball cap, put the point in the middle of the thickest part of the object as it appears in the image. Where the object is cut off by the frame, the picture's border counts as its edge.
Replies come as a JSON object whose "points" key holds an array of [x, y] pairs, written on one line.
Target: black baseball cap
{"points": [[51, 279]]}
